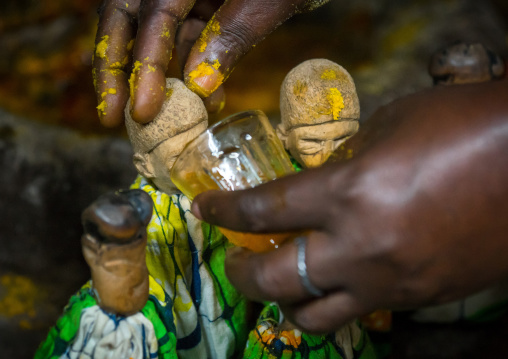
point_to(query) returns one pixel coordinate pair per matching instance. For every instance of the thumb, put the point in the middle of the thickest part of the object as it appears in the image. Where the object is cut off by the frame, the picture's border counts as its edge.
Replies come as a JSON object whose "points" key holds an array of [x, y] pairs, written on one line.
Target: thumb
{"points": [[296, 202]]}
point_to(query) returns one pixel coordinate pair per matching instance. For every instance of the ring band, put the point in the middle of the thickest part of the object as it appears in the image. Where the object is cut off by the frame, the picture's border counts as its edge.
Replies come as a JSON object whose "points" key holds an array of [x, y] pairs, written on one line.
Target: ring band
{"points": [[301, 243]]}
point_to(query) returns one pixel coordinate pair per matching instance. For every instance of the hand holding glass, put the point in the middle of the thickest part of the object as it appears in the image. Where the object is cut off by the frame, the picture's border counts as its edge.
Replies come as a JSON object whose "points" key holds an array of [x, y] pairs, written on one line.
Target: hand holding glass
{"points": [[239, 152]]}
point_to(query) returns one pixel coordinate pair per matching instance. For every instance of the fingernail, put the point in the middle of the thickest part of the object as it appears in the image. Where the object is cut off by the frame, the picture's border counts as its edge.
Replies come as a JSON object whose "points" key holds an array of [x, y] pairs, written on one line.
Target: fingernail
{"points": [[205, 78], [195, 211]]}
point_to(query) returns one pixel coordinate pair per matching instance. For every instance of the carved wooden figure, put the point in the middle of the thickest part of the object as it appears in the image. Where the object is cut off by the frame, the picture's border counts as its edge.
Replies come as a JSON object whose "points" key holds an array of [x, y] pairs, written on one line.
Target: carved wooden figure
{"points": [[114, 247], [463, 63], [319, 110]]}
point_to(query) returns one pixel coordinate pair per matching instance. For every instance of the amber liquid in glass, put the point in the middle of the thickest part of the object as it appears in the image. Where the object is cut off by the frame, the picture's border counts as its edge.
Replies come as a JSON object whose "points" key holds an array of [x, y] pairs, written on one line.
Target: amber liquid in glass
{"points": [[255, 242]]}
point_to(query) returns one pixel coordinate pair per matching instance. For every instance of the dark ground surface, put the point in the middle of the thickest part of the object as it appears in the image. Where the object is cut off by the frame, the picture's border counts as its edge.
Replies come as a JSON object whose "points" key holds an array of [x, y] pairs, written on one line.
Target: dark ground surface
{"points": [[54, 163]]}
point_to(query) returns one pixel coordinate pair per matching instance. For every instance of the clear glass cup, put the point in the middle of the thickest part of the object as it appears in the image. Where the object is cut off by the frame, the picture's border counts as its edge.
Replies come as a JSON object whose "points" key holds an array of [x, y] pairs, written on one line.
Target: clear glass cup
{"points": [[239, 152]]}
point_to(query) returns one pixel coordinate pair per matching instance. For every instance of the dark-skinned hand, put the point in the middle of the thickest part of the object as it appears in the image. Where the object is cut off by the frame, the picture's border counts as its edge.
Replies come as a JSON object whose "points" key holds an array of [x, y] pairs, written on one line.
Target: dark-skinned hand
{"points": [[135, 39], [419, 216]]}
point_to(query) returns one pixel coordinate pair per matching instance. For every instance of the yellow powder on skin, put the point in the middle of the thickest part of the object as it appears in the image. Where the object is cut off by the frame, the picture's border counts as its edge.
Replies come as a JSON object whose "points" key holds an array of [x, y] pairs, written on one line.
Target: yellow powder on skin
{"points": [[151, 68], [336, 101], [114, 72], [132, 79], [110, 91], [101, 109], [216, 64], [329, 75], [165, 31], [102, 46], [213, 27], [130, 45], [204, 70]]}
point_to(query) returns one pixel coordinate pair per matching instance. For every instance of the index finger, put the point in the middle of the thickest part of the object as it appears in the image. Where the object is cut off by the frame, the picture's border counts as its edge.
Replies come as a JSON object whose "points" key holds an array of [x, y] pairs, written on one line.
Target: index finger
{"points": [[113, 45]]}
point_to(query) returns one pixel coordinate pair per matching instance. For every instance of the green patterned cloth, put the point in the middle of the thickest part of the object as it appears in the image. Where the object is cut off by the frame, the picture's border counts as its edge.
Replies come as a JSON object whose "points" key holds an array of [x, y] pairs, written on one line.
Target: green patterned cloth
{"points": [[193, 311], [266, 341]]}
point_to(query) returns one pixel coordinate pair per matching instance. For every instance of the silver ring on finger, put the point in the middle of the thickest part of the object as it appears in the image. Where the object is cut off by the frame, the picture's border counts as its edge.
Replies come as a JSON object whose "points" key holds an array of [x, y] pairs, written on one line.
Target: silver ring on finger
{"points": [[301, 244]]}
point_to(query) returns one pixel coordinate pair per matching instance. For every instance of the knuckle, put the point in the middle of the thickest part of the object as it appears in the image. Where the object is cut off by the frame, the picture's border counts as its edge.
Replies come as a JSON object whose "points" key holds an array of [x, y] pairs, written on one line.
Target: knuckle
{"points": [[269, 282], [311, 323], [250, 211], [237, 36]]}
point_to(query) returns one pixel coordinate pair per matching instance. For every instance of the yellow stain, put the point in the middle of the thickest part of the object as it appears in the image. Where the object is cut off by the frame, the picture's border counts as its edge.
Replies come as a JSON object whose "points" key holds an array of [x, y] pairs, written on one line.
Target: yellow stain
{"points": [[329, 75], [165, 31], [130, 44], [213, 27], [101, 47], [111, 91], [114, 72], [116, 65], [102, 107], [216, 64], [203, 70], [300, 88], [132, 79], [336, 102], [169, 92], [20, 297], [202, 46], [151, 68]]}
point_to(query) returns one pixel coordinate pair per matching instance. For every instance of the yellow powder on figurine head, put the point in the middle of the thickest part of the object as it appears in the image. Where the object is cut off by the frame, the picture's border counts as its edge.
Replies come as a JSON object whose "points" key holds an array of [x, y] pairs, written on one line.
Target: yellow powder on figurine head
{"points": [[336, 101], [329, 75]]}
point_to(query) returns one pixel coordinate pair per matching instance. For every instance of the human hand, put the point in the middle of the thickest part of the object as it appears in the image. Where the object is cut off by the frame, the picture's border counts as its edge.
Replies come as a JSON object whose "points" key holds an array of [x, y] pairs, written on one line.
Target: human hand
{"points": [[135, 39], [417, 217]]}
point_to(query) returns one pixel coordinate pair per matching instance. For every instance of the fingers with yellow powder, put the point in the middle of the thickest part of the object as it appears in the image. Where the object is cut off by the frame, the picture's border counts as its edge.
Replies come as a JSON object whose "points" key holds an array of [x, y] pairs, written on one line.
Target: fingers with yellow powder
{"points": [[111, 65], [157, 24], [135, 40], [232, 32], [187, 36]]}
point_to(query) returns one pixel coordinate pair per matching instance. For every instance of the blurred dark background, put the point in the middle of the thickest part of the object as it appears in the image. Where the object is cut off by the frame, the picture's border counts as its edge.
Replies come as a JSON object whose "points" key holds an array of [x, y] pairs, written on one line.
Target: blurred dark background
{"points": [[56, 158]]}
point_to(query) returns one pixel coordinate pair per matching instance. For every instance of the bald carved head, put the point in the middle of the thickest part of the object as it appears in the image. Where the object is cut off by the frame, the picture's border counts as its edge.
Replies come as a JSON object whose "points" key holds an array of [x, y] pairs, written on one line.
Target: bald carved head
{"points": [[319, 110], [157, 144]]}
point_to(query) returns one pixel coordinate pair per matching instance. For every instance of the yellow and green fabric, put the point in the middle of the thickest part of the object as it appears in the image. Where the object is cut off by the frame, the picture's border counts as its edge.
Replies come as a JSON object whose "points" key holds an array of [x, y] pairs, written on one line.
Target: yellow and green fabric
{"points": [[193, 311]]}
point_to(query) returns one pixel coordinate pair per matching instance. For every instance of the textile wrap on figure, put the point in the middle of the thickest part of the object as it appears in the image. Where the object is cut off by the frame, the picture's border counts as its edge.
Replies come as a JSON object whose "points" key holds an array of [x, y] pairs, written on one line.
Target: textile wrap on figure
{"points": [[192, 311]]}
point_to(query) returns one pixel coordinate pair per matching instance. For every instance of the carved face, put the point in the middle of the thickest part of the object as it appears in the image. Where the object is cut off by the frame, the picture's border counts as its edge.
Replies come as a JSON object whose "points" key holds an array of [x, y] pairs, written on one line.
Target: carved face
{"points": [[312, 145], [161, 159]]}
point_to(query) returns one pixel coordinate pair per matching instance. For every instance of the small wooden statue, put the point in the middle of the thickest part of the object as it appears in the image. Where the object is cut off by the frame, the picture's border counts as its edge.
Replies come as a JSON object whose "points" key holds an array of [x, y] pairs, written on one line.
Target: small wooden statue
{"points": [[114, 247], [463, 63], [319, 111]]}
